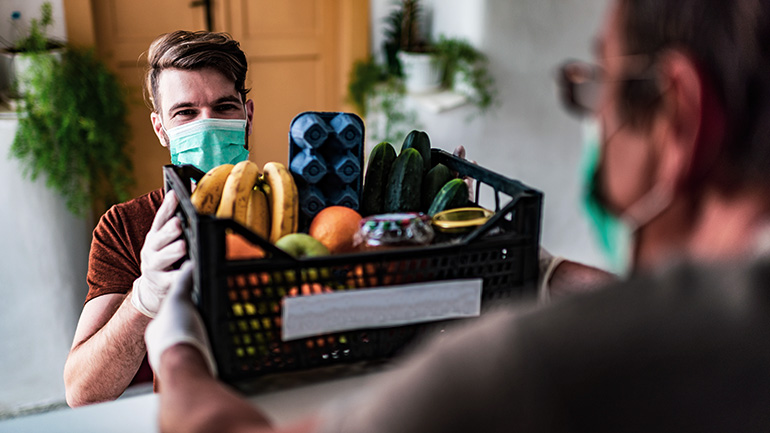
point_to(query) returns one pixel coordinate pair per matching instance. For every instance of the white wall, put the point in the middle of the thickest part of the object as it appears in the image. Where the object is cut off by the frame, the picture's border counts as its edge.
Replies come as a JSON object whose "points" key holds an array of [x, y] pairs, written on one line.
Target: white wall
{"points": [[528, 137], [43, 263]]}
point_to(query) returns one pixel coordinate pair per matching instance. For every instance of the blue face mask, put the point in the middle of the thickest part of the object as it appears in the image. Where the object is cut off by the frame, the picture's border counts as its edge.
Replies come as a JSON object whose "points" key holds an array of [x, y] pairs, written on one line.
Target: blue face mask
{"points": [[208, 143]]}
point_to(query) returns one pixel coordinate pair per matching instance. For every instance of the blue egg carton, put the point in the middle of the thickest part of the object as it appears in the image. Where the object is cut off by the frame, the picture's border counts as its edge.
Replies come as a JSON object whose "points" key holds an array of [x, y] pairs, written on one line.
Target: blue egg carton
{"points": [[326, 158]]}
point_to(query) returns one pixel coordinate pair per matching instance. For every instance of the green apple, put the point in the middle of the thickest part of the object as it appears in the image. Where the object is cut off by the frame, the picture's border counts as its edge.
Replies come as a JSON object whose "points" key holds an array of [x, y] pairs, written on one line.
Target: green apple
{"points": [[302, 245]]}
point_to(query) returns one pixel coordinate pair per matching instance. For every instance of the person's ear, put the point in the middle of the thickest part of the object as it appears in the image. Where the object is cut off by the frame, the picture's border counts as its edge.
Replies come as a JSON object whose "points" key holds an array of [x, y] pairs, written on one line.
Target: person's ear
{"points": [[249, 116], [690, 121], [157, 126]]}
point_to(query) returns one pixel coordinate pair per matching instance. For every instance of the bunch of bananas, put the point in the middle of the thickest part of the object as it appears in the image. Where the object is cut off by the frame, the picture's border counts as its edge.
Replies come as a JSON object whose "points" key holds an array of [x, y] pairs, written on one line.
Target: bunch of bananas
{"points": [[266, 202]]}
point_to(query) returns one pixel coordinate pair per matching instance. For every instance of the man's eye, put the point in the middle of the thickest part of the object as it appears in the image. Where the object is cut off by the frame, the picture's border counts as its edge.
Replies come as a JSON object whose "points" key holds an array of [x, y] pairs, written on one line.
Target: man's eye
{"points": [[227, 107], [185, 113]]}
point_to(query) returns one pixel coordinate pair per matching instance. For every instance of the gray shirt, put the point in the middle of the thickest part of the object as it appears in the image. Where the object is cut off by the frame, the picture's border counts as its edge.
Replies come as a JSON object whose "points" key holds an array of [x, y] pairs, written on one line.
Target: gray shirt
{"points": [[687, 351]]}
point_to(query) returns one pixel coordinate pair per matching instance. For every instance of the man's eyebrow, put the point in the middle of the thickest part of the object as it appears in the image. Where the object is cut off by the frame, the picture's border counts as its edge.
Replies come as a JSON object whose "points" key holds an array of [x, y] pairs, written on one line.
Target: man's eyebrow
{"points": [[221, 100], [228, 98], [179, 105]]}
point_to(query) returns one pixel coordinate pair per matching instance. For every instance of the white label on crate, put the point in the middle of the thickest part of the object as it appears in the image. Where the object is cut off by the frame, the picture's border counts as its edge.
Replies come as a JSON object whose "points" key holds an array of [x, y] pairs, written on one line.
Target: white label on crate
{"points": [[381, 307]]}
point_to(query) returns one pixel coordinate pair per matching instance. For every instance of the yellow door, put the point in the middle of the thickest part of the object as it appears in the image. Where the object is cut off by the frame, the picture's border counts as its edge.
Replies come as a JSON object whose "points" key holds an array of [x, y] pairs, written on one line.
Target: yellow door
{"points": [[300, 53]]}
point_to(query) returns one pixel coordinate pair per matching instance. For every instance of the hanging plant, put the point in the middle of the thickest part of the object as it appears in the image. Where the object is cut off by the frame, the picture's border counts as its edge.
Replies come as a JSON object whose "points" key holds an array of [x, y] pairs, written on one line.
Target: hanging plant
{"points": [[73, 129]]}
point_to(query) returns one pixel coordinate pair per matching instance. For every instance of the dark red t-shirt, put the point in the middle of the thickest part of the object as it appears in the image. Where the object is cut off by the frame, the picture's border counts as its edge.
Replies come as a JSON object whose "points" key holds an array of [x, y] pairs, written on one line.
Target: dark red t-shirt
{"points": [[114, 262]]}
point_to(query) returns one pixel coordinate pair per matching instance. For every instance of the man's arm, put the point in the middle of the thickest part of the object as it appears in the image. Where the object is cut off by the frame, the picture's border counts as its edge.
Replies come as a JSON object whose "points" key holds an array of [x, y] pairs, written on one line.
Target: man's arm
{"points": [[107, 350], [108, 347], [192, 400]]}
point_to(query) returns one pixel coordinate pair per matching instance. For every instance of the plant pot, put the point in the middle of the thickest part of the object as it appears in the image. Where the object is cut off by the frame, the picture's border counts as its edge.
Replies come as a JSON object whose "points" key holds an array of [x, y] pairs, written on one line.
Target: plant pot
{"points": [[14, 70], [422, 72]]}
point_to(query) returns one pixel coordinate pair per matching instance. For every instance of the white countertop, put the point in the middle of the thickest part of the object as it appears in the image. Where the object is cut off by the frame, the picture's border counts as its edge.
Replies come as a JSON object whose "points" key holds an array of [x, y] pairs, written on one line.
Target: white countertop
{"points": [[285, 403]]}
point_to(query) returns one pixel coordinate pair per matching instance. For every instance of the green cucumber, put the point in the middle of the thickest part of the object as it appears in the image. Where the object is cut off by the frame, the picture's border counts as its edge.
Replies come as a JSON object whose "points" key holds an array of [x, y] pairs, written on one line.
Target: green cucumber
{"points": [[376, 179], [452, 195], [404, 189], [419, 140], [434, 179]]}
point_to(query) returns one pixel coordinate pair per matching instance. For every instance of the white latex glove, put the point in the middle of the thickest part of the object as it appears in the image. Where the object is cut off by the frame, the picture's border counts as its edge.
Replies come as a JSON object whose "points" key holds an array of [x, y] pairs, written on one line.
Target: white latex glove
{"points": [[162, 248], [547, 264], [178, 322]]}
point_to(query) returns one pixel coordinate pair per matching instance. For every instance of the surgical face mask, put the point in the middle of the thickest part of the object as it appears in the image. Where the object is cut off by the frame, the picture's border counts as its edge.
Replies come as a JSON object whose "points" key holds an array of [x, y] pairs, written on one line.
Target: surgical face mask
{"points": [[616, 234], [613, 235], [207, 143]]}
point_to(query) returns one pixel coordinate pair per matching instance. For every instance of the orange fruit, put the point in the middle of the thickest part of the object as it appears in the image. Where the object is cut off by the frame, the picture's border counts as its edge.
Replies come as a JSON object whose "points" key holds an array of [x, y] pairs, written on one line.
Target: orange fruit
{"points": [[238, 248], [335, 227]]}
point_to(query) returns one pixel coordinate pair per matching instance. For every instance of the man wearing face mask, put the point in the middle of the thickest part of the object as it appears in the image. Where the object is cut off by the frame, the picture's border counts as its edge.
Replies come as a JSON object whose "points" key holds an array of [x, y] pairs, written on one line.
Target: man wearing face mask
{"points": [[681, 94], [200, 112]]}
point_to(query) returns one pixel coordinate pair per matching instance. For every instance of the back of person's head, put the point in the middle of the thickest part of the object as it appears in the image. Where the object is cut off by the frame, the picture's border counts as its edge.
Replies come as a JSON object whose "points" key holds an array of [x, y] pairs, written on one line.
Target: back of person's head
{"points": [[194, 51], [729, 42]]}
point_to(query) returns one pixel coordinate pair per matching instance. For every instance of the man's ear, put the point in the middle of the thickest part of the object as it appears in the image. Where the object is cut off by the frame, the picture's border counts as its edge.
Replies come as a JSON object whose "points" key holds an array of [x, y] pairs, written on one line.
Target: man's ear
{"points": [[157, 126], [691, 121], [249, 116]]}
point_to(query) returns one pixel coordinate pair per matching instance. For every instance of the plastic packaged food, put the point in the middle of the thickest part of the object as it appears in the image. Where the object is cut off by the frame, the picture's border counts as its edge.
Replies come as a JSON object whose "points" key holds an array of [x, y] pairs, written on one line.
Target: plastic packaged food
{"points": [[394, 230]]}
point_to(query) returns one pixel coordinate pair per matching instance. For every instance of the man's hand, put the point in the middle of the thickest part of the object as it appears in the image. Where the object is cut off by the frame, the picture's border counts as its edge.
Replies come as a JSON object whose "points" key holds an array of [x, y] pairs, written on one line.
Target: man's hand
{"points": [[178, 322], [163, 247], [460, 153]]}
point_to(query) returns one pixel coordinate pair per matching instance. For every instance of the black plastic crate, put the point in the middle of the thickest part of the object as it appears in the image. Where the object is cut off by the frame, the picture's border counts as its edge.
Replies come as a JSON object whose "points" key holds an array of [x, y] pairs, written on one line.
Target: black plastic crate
{"points": [[241, 301]]}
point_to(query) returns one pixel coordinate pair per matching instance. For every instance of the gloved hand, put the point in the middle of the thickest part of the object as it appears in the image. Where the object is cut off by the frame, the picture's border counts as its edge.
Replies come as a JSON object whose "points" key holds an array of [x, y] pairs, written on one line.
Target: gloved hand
{"points": [[162, 248], [178, 322], [460, 153]]}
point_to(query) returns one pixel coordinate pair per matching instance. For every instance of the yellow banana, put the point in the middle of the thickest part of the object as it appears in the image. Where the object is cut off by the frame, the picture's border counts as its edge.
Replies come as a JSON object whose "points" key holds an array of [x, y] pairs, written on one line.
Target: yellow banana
{"points": [[258, 213], [208, 191], [237, 191], [283, 200]]}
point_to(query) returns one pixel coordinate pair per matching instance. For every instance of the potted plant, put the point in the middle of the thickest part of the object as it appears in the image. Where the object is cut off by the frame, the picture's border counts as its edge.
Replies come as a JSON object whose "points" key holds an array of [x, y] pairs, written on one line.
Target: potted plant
{"points": [[420, 67], [378, 90], [466, 71], [72, 128], [17, 59]]}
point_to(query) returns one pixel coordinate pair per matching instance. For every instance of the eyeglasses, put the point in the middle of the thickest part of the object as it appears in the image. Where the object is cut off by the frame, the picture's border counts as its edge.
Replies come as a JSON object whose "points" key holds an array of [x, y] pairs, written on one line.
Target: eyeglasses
{"points": [[581, 83]]}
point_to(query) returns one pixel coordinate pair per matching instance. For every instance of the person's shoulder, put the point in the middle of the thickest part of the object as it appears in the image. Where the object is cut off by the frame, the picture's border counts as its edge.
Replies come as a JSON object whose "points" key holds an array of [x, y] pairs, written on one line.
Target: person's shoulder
{"points": [[140, 208], [695, 299]]}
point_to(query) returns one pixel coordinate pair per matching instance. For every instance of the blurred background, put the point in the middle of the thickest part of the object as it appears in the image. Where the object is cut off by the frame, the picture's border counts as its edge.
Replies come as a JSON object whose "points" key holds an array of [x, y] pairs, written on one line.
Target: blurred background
{"points": [[301, 54]]}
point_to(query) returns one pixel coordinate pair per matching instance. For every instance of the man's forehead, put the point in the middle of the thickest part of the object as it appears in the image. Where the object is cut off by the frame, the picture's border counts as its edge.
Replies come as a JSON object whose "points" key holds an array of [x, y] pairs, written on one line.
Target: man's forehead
{"points": [[195, 87]]}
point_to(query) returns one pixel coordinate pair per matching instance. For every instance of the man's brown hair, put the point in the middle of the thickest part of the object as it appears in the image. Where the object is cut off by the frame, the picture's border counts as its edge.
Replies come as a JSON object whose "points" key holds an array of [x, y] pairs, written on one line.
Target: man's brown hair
{"points": [[193, 51]]}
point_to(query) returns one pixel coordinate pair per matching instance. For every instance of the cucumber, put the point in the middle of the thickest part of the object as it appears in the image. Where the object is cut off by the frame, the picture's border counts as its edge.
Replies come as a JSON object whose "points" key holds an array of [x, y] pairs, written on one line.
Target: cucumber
{"points": [[404, 189], [434, 179], [452, 195], [419, 140], [376, 179]]}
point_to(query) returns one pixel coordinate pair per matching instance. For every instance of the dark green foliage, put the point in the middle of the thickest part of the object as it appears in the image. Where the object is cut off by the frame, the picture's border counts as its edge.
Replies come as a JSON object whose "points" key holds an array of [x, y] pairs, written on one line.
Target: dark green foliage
{"points": [[73, 130], [363, 78], [459, 55], [37, 40]]}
